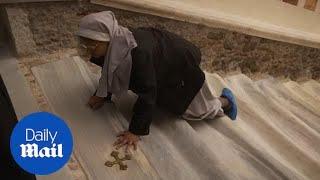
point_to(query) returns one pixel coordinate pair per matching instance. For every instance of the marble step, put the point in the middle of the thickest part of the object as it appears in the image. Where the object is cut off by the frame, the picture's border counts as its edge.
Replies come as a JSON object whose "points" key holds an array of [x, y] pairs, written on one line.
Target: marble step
{"points": [[269, 140], [171, 151], [276, 91], [296, 89], [312, 87], [18, 88], [22, 99], [290, 131], [244, 143]]}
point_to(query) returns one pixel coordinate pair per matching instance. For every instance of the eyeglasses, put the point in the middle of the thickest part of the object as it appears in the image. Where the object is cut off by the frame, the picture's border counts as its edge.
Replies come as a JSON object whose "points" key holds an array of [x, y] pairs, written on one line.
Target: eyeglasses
{"points": [[87, 45]]}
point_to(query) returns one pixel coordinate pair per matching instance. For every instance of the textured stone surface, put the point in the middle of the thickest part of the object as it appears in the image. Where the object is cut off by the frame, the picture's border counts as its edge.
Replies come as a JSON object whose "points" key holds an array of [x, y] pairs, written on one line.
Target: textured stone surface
{"points": [[27, 1], [20, 30], [53, 25]]}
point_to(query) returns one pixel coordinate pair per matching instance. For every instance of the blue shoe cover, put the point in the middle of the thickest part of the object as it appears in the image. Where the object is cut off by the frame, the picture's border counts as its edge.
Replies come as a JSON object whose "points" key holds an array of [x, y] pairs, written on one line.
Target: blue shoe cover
{"points": [[233, 110]]}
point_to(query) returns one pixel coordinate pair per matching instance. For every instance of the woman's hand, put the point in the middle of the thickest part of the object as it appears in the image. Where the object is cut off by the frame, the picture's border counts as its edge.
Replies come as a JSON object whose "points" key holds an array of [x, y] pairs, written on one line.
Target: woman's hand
{"points": [[126, 139], [96, 102]]}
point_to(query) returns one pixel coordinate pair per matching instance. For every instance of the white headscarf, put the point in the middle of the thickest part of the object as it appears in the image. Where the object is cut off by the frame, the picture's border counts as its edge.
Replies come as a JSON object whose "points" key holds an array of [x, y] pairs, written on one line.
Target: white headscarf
{"points": [[115, 75]]}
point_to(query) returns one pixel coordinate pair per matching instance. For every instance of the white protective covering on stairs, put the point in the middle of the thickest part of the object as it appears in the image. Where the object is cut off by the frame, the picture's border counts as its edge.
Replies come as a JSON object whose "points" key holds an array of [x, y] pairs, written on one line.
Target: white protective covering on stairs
{"points": [[276, 135]]}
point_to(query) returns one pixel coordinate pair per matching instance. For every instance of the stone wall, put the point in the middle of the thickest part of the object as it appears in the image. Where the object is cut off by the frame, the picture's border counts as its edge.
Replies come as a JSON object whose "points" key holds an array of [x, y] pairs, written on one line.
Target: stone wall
{"points": [[21, 35], [48, 27], [27, 1]]}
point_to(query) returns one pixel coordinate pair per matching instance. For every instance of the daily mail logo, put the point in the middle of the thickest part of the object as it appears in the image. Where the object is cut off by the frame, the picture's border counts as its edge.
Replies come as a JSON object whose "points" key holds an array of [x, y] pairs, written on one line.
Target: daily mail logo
{"points": [[32, 150], [41, 143]]}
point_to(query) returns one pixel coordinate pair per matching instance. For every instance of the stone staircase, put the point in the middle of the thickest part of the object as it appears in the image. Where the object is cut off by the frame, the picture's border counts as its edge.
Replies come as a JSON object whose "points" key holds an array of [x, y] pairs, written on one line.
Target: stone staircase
{"points": [[276, 135]]}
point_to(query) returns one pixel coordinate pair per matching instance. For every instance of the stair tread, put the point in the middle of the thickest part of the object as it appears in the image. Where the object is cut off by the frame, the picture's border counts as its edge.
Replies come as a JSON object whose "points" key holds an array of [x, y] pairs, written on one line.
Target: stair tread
{"points": [[275, 114], [295, 88], [261, 144], [312, 87]]}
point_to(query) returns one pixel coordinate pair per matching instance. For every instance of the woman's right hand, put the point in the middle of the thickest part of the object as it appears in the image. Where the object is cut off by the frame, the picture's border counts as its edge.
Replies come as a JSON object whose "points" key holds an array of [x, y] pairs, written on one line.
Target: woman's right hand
{"points": [[96, 102]]}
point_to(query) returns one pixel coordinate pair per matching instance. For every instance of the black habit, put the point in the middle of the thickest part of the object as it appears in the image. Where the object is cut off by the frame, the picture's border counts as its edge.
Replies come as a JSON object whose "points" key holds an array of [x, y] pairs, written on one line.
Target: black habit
{"points": [[165, 72]]}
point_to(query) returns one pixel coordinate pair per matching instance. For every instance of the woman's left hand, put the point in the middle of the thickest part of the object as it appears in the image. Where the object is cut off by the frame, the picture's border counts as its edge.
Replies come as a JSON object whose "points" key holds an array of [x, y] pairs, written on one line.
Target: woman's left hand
{"points": [[127, 139]]}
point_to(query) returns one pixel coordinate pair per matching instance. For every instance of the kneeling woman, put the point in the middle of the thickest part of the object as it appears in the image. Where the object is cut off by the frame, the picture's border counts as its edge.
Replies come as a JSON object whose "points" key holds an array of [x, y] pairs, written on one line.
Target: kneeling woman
{"points": [[160, 67]]}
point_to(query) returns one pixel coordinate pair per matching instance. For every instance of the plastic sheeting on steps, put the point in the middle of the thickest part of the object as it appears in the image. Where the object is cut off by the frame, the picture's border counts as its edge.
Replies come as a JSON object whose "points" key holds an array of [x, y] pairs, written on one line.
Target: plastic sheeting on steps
{"points": [[296, 141], [305, 112], [312, 87], [295, 88], [267, 141]]}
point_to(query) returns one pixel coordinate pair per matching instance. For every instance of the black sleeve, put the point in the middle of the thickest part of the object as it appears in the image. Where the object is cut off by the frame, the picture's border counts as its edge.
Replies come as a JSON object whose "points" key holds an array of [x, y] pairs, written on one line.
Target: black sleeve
{"points": [[144, 80]]}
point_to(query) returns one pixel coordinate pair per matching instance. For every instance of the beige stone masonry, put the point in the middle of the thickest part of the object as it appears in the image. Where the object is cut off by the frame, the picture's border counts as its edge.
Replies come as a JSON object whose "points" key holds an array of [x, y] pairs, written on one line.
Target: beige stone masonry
{"points": [[27, 1]]}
